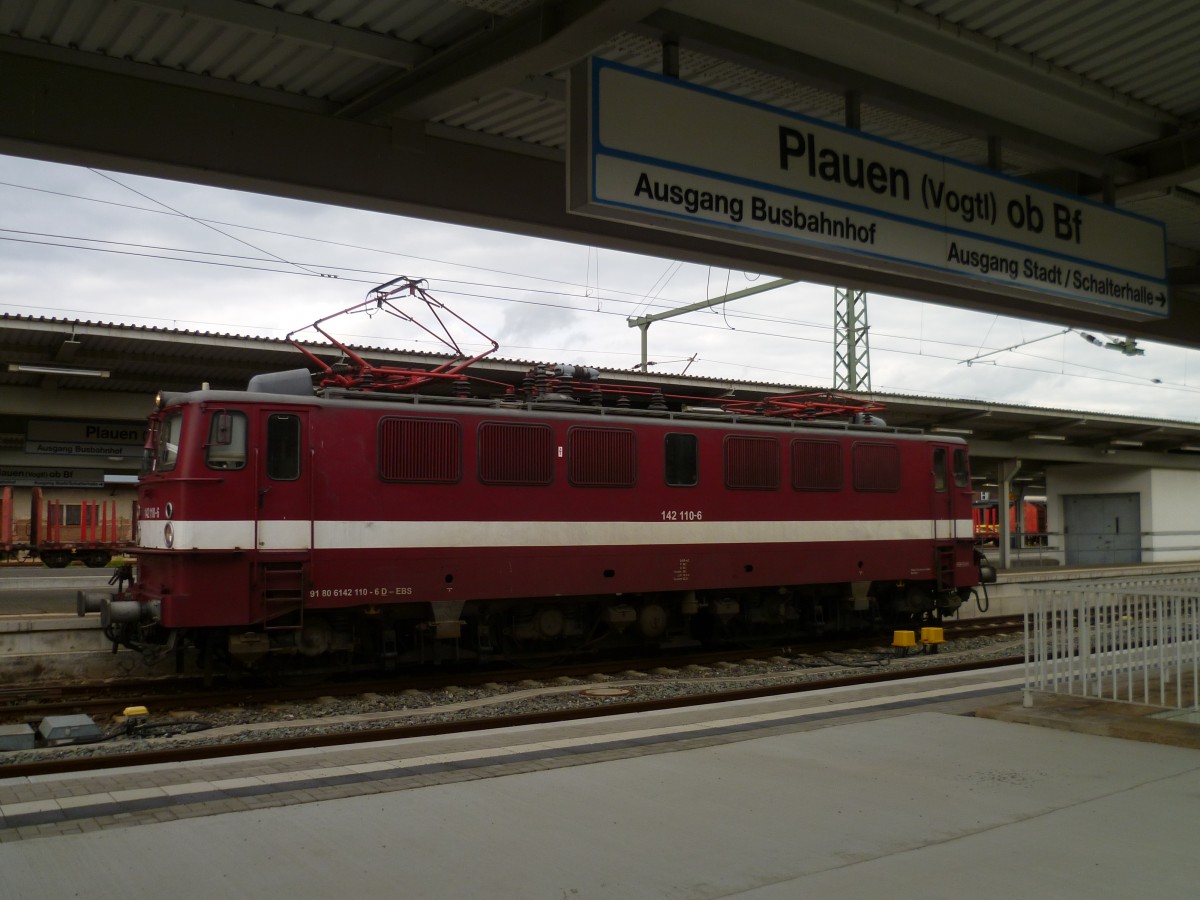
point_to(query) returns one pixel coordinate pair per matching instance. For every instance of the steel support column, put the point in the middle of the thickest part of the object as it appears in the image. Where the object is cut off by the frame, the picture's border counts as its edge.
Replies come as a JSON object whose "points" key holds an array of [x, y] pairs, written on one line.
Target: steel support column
{"points": [[1007, 470]]}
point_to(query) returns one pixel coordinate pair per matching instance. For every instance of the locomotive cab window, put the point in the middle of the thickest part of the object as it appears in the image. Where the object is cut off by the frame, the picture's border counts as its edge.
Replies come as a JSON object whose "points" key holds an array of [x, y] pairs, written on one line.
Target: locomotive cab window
{"points": [[939, 469], [283, 447], [166, 450], [962, 471], [226, 446], [682, 460]]}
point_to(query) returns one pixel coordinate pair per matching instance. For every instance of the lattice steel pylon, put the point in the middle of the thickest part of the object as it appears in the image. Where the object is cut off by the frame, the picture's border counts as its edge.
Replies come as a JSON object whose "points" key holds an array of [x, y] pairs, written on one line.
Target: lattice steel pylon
{"points": [[851, 342]]}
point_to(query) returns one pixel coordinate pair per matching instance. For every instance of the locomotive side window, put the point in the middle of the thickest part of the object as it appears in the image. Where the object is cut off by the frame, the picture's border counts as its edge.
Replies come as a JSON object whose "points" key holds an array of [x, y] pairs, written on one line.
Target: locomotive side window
{"points": [[751, 463], [167, 452], [939, 468], [876, 467], [601, 457], [962, 472], [420, 450], [682, 458], [226, 447], [283, 447], [816, 465], [515, 454]]}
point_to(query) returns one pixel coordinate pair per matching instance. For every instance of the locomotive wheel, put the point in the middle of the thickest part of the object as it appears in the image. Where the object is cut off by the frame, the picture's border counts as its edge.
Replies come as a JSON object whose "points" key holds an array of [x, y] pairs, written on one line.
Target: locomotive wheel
{"points": [[315, 637], [652, 621], [57, 559]]}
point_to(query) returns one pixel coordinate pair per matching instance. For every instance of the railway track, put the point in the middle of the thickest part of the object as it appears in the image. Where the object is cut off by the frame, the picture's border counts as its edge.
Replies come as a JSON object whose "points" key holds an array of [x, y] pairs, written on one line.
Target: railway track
{"points": [[603, 707], [573, 693], [103, 701]]}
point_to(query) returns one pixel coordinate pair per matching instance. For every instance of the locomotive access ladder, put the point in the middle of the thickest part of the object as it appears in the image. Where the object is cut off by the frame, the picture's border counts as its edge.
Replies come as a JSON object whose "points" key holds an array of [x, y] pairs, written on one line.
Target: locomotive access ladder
{"points": [[944, 565], [282, 588]]}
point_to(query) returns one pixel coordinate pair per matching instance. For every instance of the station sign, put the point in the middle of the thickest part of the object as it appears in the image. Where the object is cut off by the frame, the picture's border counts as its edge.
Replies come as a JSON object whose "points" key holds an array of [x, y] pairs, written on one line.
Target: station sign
{"points": [[660, 152], [39, 476], [82, 437]]}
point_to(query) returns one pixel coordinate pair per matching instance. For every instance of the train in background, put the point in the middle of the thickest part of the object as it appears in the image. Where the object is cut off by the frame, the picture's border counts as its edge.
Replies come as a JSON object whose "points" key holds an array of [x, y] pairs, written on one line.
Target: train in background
{"points": [[1031, 519], [74, 525], [411, 514]]}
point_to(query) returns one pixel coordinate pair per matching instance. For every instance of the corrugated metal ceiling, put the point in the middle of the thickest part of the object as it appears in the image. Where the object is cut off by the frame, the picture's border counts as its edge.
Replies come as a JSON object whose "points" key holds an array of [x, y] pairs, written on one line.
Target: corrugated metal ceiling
{"points": [[1144, 50], [1139, 49], [1136, 58]]}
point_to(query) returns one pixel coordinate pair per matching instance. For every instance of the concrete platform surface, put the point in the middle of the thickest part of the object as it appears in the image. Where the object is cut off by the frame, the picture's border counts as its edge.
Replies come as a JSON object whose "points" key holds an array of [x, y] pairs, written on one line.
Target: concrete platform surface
{"points": [[917, 804], [1131, 721]]}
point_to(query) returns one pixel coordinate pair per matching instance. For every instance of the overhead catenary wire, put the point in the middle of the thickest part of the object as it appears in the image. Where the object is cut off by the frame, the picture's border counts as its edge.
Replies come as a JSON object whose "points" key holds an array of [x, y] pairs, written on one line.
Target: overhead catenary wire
{"points": [[312, 269], [320, 240], [346, 274], [327, 241], [199, 222], [694, 324]]}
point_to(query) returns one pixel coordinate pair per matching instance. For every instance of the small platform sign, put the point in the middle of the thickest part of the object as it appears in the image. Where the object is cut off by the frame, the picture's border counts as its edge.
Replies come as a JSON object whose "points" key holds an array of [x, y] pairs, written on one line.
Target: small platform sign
{"points": [[667, 154], [44, 476], [51, 437]]}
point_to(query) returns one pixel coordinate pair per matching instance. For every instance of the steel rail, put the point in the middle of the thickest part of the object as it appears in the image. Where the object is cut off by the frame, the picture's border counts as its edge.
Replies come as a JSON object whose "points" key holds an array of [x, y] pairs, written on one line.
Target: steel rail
{"points": [[33, 702], [602, 708]]}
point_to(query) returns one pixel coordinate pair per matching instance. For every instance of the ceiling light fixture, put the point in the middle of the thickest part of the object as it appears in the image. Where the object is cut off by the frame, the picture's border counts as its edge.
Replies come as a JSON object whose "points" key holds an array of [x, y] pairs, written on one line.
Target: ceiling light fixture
{"points": [[1047, 437], [57, 370], [1123, 442], [945, 429]]}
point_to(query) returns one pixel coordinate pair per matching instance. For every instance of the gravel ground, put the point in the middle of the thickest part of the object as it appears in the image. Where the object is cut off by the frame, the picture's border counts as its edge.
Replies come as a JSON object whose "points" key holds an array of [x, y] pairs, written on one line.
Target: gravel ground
{"points": [[366, 712]]}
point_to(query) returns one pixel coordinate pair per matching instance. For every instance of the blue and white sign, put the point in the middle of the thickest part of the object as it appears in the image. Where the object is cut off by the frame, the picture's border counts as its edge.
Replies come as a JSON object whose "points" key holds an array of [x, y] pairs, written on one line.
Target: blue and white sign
{"points": [[672, 155]]}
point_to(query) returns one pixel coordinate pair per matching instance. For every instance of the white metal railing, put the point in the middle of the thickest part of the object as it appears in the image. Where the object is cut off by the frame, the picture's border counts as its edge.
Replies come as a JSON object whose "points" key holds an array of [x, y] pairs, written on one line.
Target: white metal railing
{"points": [[1129, 640]]}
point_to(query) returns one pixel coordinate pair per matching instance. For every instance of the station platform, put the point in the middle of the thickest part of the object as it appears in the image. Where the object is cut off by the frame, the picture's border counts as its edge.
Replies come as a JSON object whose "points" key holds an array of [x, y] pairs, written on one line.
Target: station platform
{"points": [[1007, 596], [897, 790]]}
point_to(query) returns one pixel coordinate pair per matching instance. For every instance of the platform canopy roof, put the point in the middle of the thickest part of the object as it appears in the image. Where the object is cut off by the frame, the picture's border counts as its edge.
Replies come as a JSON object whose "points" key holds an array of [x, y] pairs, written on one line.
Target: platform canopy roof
{"points": [[457, 111], [123, 366]]}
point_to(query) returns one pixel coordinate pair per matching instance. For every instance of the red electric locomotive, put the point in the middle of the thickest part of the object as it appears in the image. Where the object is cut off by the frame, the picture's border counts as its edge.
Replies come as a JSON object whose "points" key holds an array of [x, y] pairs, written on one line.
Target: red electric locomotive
{"points": [[374, 516]]}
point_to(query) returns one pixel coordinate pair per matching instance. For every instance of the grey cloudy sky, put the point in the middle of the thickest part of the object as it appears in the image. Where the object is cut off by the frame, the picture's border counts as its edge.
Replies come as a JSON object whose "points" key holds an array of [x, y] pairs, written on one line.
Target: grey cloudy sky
{"points": [[109, 247]]}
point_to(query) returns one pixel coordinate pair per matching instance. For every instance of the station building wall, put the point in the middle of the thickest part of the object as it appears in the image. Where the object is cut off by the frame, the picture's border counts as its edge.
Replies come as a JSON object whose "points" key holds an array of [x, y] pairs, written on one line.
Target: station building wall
{"points": [[1169, 506]]}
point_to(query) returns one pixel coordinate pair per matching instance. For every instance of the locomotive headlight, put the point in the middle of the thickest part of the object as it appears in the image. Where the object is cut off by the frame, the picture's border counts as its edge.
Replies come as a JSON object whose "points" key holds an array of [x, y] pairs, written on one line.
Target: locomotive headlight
{"points": [[158, 400]]}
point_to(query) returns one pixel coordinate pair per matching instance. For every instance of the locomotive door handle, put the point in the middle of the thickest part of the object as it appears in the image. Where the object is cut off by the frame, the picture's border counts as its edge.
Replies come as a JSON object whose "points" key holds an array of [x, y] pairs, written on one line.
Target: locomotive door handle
{"points": [[262, 493]]}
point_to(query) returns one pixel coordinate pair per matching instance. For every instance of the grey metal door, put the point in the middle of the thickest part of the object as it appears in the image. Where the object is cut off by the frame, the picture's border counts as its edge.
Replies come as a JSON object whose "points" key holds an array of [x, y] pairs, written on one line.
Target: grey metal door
{"points": [[1102, 529]]}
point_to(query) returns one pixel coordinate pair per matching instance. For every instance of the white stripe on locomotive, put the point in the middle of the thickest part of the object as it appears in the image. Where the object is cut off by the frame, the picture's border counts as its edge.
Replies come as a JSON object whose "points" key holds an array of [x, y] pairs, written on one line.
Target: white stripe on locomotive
{"points": [[277, 534]]}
